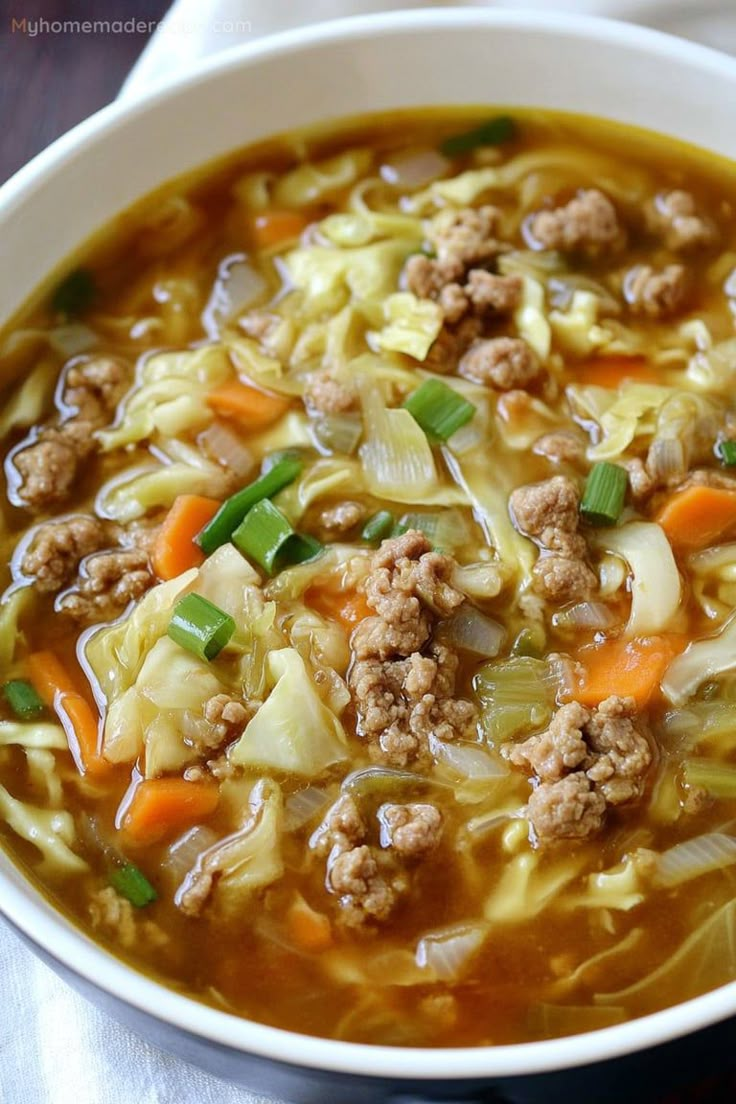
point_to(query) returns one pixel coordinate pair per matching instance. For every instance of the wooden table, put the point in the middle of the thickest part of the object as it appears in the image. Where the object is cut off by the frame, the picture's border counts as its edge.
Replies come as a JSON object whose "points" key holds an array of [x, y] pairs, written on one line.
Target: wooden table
{"points": [[50, 81]]}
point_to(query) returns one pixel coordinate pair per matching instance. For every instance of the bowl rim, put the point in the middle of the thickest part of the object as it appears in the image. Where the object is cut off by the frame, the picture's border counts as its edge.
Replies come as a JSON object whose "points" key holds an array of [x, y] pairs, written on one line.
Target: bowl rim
{"points": [[26, 908]]}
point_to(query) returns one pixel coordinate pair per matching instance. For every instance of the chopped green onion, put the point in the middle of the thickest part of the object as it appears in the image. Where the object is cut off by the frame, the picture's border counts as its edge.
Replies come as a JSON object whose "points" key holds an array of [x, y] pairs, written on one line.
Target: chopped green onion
{"points": [[726, 453], [266, 536], [438, 409], [272, 459], [234, 509], [75, 293], [23, 699], [492, 133], [378, 527], [200, 626], [262, 534], [299, 548], [530, 642], [605, 490], [132, 884]]}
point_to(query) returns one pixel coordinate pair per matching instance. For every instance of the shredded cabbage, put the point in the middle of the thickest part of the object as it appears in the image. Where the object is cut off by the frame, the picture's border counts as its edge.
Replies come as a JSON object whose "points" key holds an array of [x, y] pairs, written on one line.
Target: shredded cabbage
{"points": [[531, 320], [28, 403], [701, 661], [293, 731], [693, 858], [115, 654], [131, 495], [315, 181], [705, 960], [412, 325], [37, 734], [251, 857], [369, 272], [655, 583], [630, 414], [170, 396], [50, 830], [13, 605], [368, 226], [576, 329], [526, 888]]}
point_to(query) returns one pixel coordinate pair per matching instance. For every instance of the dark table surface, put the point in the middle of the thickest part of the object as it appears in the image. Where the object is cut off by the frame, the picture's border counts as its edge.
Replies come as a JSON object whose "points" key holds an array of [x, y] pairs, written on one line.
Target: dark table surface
{"points": [[49, 82]]}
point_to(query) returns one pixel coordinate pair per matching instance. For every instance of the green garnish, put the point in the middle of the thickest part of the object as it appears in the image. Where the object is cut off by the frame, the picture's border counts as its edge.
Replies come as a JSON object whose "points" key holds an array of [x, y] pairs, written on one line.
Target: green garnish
{"points": [[438, 409], [726, 453], [493, 133], [273, 459], [232, 512], [23, 699], [200, 626], [378, 527], [265, 535], [605, 490], [530, 642], [75, 293], [132, 884]]}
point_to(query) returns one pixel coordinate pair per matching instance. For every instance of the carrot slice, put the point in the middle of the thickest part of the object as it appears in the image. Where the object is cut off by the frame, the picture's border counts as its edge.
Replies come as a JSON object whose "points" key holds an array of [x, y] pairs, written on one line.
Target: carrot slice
{"points": [[253, 408], [698, 516], [275, 227], [308, 930], [174, 550], [59, 690], [610, 371], [627, 668], [345, 607], [160, 807]]}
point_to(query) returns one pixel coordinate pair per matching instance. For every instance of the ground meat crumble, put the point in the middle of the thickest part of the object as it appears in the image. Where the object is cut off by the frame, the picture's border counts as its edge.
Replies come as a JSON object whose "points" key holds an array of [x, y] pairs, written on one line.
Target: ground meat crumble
{"points": [[655, 293], [587, 223], [48, 463], [548, 513], [585, 761], [402, 682], [504, 363], [674, 217]]}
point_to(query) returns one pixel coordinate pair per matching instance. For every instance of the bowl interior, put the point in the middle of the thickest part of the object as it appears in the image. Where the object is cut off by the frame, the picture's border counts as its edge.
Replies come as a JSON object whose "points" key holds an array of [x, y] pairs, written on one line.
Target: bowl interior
{"points": [[363, 65]]}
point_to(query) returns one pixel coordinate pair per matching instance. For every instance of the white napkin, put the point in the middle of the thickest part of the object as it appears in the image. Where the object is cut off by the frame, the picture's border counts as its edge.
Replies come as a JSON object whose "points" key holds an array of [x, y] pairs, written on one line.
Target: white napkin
{"points": [[55, 1048]]}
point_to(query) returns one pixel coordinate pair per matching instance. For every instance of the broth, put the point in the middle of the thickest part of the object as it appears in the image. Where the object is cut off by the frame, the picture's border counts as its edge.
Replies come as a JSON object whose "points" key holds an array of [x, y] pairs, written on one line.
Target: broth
{"points": [[549, 523]]}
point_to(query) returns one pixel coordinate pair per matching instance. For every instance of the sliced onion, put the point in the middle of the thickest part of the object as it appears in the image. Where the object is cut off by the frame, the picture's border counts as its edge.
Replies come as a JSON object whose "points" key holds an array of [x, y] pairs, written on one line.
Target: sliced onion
{"points": [[486, 822], [467, 760], [225, 446], [337, 433], [666, 458], [382, 779], [693, 858], [447, 953], [184, 852], [584, 615], [562, 289], [236, 287], [474, 632], [303, 806], [414, 168], [72, 339]]}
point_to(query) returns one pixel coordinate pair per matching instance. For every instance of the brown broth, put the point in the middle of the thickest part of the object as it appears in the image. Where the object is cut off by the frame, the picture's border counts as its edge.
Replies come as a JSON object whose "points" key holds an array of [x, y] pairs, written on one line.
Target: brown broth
{"points": [[154, 269]]}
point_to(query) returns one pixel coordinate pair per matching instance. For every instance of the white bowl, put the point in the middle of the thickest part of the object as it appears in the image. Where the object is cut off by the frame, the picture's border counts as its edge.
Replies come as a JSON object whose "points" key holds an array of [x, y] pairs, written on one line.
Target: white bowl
{"points": [[346, 68]]}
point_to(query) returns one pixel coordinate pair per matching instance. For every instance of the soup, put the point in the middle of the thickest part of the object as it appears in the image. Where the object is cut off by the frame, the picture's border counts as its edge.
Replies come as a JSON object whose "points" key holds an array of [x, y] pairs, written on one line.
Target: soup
{"points": [[368, 640]]}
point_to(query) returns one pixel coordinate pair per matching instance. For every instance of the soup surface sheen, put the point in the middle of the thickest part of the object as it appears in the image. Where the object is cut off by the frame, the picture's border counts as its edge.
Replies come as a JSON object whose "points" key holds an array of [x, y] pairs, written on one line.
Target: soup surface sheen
{"points": [[428, 737]]}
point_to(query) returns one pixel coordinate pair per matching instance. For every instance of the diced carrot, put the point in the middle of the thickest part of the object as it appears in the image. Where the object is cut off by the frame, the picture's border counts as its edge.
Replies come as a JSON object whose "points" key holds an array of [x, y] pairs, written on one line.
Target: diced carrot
{"points": [[346, 607], [308, 930], [161, 807], [698, 516], [174, 550], [275, 227], [60, 691], [254, 409], [610, 371], [627, 668]]}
